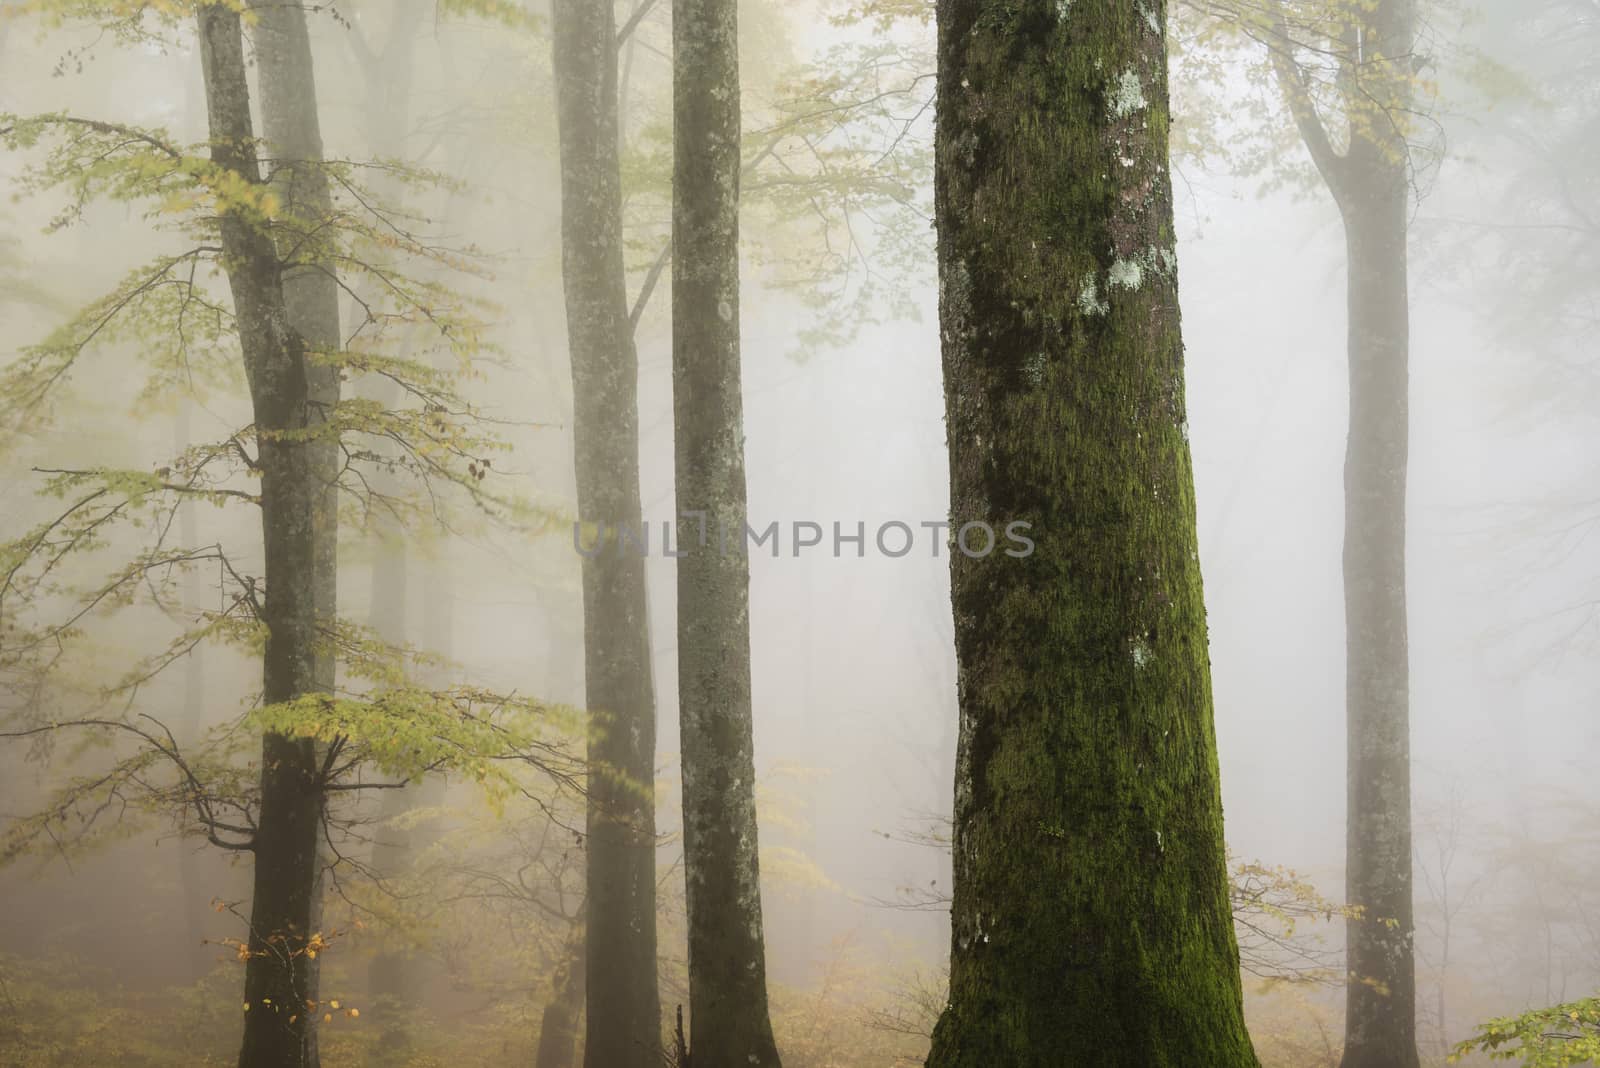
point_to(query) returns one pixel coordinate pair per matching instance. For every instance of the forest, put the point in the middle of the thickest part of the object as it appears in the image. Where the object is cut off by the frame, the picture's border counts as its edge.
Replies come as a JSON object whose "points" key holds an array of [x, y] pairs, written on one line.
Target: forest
{"points": [[707, 533]]}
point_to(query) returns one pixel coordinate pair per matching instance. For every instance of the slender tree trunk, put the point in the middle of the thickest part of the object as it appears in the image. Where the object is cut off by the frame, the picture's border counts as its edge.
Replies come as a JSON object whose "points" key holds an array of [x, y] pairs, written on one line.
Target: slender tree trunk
{"points": [[293, 132], [279, 979], [558, 1027], [624, 1006], [1370, 183], [396, 977], [392, 982], [439, 610], [1090, 918], [388, 609], [1380, 1015], [389, 76], [191, 876], [727, 956], [1441, 1004], [191, 869]]}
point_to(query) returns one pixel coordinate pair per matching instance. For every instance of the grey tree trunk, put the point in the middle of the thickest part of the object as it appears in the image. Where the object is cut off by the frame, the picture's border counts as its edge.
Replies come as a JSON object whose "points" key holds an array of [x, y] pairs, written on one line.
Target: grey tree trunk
{"points": [[192, 874], [279, 978], [558, 1027], [1090, 919], [624, 1005], [1370, 183], [727, 956], [393, 982], [1380, 1014], [293, 133], [196, 901]]}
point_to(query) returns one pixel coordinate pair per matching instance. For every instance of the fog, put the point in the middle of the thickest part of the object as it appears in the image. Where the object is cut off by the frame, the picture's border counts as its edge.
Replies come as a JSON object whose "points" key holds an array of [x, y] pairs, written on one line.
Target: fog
{"points": [[121, 942]]}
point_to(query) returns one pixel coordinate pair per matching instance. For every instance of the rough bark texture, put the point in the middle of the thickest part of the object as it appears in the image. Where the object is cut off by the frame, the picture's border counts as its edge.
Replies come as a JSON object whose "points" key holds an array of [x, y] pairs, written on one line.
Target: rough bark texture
{"points": [[1090, 917], [624, 1006], [279, 979], [729, 1024], [1369, 181]]}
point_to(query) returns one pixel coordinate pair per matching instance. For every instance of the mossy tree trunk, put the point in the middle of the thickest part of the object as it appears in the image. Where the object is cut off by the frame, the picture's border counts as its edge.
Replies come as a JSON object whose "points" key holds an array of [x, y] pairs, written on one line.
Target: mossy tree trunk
{"points": [[1370, 183], [279, 977], [624, 1005], [1091, 922], [727, 957]]}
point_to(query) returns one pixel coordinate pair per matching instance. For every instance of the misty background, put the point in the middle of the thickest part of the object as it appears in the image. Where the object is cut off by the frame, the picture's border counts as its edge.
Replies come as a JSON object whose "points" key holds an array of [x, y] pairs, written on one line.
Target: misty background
{"points": [[854, 670]]}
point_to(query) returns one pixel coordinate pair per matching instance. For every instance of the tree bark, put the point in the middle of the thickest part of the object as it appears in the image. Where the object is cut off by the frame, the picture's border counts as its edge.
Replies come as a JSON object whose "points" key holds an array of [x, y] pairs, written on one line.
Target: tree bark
{"points": [[392, 980], [293, 135], [727, 957], [558, 1027], [1380, 1013], [1370, 183], [191, 874], [293, 132], [397, 978], [1090, 920], [279, 978], [624, 1006]]}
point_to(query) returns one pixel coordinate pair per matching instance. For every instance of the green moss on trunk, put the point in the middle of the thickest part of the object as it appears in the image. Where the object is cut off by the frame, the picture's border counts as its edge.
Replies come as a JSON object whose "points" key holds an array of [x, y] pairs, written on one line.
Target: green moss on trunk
{"points": [[1090, 920]]}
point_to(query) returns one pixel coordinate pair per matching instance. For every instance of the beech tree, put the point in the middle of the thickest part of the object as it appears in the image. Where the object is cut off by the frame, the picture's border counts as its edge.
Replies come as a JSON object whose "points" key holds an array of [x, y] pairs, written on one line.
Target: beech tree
{"points": [[727, 956], [285, 909], [1090, 919], [1369, 181], [624, 1005], [280, 975], [282, 240], [1348, 74]]}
